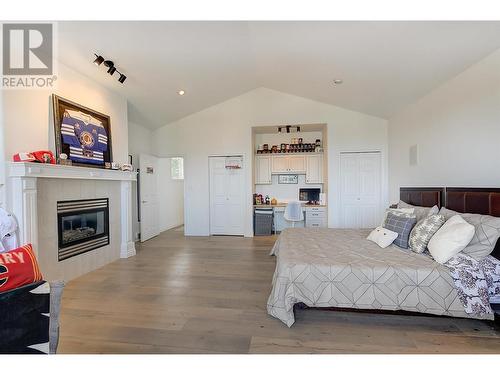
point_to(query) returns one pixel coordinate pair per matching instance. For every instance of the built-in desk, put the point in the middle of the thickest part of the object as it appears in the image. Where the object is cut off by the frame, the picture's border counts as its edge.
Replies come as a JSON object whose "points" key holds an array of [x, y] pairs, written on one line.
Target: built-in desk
{"points": [[315, 216]]}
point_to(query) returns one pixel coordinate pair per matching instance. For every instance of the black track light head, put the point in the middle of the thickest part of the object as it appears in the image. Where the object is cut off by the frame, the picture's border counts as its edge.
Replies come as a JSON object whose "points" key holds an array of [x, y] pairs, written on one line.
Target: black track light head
{"points": [[122, 78], [99, 60], [111, 70]]}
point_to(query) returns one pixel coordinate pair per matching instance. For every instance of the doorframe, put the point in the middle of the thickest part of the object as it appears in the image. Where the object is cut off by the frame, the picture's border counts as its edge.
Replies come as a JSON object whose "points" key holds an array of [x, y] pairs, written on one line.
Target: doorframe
{"points": [[246, 185], [383, 177]]}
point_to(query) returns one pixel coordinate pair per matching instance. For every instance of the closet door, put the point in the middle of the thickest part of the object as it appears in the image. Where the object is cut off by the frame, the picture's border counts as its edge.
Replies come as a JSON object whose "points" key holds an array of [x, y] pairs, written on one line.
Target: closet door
{"points": [[226, 198], [360, 189]]}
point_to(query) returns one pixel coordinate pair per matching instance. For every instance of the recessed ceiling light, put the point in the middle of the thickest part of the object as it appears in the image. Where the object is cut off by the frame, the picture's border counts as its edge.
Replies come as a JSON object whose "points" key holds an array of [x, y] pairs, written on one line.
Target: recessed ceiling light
{"points": [[337, 82], [181, 92]]}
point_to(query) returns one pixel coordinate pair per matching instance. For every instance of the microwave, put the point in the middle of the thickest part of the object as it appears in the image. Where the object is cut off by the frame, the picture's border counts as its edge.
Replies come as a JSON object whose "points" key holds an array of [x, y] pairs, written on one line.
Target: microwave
{"points": [[309, 194]]}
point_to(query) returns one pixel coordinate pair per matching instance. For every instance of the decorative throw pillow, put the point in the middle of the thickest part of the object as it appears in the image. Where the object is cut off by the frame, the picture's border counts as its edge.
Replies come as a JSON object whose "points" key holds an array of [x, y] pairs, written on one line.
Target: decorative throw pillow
{"points": [[18, 267], [423, 232], [382, 236], [403, 212], [402, 226], [420, 211], [487, 232], [450, 239]]}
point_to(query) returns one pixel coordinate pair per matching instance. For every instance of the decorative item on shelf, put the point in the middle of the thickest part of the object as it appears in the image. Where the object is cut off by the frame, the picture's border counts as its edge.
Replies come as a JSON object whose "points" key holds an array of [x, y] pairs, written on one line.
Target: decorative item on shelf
{"points": [[283, 147], [81, 133], [42, 156], [107, 165], [318, 147], [274, 201], [257, 199], [288, 179], [63, 159], [115, 166], [23, 157], [127, 167], [268, 200], [274, 149], [265, 148], [259, 149]]}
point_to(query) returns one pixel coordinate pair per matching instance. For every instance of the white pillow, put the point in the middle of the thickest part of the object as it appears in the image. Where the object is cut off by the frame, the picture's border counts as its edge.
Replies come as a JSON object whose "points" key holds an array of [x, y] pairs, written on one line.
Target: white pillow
{"points": [[382, 237], [450, 239]]}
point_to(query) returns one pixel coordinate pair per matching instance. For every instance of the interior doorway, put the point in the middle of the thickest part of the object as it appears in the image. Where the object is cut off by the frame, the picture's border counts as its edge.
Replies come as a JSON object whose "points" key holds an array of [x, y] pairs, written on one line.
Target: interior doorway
{"points": [[161, 195]]}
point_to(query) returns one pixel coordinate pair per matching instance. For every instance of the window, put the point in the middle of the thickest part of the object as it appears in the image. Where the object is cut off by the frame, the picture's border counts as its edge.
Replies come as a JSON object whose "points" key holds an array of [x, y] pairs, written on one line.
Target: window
{"points": [[177, 168]]}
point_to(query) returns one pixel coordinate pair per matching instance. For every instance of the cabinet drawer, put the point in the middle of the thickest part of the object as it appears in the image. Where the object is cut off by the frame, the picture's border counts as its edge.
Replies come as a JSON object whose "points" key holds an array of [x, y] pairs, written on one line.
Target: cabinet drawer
{"points": [[316, 214], [315, 209], [316, 223]]}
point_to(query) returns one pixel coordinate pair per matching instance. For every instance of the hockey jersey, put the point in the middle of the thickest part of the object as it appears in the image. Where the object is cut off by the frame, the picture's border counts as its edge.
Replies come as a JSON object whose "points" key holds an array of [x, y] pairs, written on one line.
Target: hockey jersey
{"points": [[86, 137]]}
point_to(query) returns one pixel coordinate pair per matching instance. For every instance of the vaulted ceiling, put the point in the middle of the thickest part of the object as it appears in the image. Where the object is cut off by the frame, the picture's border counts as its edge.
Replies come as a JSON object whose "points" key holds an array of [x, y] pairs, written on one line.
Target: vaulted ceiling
{"points": [[384, 65]]}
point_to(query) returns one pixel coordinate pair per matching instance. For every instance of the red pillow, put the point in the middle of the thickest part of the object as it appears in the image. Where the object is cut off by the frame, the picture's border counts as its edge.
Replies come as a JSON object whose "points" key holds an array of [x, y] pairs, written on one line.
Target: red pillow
{"points": [[18, 267]]}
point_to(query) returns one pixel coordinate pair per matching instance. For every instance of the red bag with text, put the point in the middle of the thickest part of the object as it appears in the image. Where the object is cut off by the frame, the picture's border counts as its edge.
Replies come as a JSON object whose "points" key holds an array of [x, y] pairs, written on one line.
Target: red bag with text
{"points": [[18, 267]]}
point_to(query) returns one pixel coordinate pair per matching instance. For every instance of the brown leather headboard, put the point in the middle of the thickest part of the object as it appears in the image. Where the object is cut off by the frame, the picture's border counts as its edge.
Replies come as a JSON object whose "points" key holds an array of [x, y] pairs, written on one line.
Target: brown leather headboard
{"points": [[484, 201], [422, 196]]}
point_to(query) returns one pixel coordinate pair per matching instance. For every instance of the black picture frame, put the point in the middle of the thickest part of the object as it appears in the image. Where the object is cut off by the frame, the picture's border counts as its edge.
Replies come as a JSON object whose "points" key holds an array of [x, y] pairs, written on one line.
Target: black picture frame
{"points": [[59, 105]]}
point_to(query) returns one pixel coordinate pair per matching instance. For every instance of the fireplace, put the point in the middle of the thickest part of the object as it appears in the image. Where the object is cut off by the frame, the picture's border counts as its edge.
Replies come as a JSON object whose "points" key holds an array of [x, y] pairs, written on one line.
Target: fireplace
{"points": [[83, 225]]}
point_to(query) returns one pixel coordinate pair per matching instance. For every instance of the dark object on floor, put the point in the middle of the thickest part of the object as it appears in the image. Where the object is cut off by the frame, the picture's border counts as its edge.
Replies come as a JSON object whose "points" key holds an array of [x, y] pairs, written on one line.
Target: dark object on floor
{"points": [[29, 322], [24, 327]]}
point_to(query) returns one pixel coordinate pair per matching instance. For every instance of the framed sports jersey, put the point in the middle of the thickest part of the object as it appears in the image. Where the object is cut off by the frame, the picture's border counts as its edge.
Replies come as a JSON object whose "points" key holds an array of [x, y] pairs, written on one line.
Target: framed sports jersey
{"points": [[81, 133]]}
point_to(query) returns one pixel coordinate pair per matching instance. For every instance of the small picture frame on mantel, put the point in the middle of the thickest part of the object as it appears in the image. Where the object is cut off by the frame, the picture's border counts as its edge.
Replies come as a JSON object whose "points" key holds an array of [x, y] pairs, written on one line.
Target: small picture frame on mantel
{"points": [[288, 179]]}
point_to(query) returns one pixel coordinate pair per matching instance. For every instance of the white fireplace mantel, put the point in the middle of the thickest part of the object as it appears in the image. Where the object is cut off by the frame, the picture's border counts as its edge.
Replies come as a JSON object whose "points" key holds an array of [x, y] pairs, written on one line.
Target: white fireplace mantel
{"points": [[22, 196]]}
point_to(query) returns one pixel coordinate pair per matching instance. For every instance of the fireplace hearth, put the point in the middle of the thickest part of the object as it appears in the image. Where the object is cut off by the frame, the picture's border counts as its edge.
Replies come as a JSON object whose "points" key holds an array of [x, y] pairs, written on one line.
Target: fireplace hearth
{"points": [[83, 225]]}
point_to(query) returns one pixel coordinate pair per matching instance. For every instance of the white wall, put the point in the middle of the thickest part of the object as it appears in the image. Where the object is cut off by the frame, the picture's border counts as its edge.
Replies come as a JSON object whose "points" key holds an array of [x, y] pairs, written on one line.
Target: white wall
{"points": [[28, 123], [139, 142], [457, 130], [225, 129], [171, 197]]}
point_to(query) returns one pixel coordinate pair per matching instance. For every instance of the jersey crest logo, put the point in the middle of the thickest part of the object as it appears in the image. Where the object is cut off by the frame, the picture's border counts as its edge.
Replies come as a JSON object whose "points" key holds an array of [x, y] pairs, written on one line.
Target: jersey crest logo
{"points": [[86, 139]]}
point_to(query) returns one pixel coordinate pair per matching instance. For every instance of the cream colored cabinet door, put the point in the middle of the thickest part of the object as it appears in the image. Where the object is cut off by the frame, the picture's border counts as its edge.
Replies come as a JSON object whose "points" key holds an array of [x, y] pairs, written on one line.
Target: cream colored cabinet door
{"points": [[280, 164], [314, 169], [262, 170], [297, 163]]}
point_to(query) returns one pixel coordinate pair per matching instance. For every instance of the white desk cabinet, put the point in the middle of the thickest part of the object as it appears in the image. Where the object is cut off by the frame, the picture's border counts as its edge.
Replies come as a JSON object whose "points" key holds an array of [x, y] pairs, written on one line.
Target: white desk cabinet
{"points": [[316, 217]]}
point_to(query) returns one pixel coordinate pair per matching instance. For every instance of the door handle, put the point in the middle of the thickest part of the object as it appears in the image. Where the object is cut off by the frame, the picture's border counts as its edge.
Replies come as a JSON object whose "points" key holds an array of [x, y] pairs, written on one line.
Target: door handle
{"points": [[144, 201]]}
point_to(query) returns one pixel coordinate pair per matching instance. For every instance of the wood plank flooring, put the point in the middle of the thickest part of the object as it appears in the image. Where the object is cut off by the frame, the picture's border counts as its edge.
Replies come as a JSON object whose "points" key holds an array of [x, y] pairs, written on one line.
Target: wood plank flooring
{"points": [[208, 295]]}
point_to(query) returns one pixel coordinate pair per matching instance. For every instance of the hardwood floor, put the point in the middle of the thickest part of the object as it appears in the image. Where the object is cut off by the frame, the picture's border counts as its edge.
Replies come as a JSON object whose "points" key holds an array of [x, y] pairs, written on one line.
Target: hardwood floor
{"points": [[208, 295]]}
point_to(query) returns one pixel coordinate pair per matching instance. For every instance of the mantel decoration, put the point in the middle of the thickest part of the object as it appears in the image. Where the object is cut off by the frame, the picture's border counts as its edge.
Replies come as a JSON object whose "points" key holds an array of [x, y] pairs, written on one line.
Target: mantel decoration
{"points": [[82, 135]]}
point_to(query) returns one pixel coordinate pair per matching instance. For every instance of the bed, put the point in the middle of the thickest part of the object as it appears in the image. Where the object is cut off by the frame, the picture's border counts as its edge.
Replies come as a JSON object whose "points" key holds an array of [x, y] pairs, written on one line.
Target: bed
{"points": [[340, 268]]}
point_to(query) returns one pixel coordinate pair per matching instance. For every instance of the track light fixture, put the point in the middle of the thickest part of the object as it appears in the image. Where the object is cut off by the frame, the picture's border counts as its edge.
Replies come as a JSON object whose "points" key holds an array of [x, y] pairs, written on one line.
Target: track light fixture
{"points": [[99, 60], [289, 128], [111, 67]]}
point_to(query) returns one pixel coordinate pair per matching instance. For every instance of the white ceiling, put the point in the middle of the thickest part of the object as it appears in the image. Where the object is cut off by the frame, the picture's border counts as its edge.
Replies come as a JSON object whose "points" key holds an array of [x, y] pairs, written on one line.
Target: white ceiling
{"points": [[384, 65]]}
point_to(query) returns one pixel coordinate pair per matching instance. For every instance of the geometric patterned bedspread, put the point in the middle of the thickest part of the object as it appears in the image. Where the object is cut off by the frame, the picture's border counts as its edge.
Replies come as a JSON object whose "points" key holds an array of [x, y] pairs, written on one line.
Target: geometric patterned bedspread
{"points": [[341, 268]]}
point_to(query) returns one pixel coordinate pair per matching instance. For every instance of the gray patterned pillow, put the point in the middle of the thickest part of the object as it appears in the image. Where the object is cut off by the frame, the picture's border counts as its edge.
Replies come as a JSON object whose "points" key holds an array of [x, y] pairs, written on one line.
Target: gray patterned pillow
{"points": [[423, 232], [420, 211], [402, 226], [486, 235]]}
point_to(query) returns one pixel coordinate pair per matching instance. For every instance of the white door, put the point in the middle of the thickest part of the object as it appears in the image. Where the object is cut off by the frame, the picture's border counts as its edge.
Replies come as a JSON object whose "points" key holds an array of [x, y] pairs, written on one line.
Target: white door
{"points": [[262, 170], [148, 178], [314, 169], [227, 198], [360, 189]]}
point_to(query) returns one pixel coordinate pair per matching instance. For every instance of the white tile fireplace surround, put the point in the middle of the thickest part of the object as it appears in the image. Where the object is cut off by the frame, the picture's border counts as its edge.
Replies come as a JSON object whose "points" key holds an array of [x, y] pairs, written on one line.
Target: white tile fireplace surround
{"points": [[33, 191]]}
